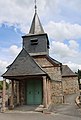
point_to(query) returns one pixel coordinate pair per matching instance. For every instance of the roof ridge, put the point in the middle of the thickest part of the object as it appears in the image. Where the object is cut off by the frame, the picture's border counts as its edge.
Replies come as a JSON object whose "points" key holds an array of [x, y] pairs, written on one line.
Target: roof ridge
{"points": [[53, 60]]}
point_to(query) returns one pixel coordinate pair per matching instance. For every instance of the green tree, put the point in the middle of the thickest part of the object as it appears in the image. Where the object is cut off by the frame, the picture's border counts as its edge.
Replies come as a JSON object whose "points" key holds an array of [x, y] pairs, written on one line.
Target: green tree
{"points": [[1, 85]]}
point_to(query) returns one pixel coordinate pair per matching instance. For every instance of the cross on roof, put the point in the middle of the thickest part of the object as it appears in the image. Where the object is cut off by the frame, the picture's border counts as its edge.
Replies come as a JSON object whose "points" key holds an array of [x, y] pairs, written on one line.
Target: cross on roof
{"points": [[35, 6]]}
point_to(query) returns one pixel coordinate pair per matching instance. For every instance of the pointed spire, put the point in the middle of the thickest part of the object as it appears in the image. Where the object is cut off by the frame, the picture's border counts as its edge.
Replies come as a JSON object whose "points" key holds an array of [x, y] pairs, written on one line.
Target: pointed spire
{"points": [[36, 26]]}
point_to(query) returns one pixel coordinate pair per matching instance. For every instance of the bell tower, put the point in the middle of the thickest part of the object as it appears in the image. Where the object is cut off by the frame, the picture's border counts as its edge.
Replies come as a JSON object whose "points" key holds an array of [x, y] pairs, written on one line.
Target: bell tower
{"points": [[36, 41]]}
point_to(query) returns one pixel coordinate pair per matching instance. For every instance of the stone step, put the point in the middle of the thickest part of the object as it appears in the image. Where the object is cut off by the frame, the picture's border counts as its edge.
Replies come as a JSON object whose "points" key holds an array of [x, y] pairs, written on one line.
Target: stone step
{"points": [[39, 108]]}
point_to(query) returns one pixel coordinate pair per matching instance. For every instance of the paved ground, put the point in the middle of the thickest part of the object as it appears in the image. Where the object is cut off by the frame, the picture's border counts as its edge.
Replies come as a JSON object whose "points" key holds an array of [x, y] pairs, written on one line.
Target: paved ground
{"points": [[69, 108], [36, 116], [68, 111]]}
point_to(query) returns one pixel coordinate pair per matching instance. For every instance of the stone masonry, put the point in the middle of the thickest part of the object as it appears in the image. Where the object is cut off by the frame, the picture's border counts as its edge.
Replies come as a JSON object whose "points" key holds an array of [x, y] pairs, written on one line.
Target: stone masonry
{"points": [[70, 85], [56, 79]]}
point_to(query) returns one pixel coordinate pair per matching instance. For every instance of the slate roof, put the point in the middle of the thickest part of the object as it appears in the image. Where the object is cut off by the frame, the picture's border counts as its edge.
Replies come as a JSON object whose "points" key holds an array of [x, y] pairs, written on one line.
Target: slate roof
{"points": [[36, 26], [23, 65], [53, 60], [66, 71]]}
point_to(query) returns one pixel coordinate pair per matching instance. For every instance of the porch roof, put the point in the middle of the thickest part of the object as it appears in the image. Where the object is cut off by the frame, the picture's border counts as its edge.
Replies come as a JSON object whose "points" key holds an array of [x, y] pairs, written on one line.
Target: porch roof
{"points": [[23, 65]]}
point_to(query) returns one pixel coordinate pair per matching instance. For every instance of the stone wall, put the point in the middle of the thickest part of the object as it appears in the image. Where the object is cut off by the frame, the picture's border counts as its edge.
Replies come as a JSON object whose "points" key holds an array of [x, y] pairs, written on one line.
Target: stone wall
{"points": [[56, 92], [22, 92], [43, 62], [53, 71], [70, 85], [56, 79]]}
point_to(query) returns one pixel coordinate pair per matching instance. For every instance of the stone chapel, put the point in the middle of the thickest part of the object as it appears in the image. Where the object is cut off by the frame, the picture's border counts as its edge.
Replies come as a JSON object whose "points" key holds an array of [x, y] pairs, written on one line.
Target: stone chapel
{"points": [[36, 78]]}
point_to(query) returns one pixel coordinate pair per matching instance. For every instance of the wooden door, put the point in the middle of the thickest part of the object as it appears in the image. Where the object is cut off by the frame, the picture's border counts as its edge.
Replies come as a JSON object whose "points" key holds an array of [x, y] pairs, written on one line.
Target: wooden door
{"points": [[34, 92]]}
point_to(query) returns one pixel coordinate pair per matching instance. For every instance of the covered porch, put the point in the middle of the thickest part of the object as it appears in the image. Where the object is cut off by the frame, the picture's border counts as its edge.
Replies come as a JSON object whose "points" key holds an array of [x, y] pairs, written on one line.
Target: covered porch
{"points": [[27, 90], [30, 84]]}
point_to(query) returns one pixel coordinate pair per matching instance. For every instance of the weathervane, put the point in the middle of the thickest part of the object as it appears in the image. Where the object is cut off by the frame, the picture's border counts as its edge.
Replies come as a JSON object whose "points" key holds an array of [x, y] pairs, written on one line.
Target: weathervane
{"points": [[35, 6]]}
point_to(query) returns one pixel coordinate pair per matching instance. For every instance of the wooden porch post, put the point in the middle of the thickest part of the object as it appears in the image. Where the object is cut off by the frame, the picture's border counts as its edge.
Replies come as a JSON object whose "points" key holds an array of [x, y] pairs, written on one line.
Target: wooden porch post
{"points": [[44, 92], [12, 95], [3, 109], [48, 92], [17, 92]]}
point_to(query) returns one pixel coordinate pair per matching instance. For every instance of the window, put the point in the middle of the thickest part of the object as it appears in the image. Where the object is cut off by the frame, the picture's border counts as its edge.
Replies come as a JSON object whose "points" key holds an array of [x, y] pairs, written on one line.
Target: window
{"points": [[34, 41]]}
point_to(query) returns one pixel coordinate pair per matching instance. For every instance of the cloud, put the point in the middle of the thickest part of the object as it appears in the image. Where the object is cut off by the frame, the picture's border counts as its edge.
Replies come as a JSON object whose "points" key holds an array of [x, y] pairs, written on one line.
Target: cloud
{"points": [[64, 50], [3, 65], [68, 54], [73, 44], [14, 50], [75, 5], [8, 56], [73, 66], [16, 13], [19, 13], [62, 30]]}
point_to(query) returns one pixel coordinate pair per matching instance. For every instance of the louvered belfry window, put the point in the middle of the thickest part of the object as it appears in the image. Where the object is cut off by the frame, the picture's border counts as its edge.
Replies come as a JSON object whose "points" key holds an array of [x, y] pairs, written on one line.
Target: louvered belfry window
{"points": [[34, 41]]}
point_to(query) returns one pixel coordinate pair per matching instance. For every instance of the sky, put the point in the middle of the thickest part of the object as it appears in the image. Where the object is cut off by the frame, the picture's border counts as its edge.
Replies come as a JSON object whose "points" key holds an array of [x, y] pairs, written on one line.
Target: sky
{"points": [[61, 20]]}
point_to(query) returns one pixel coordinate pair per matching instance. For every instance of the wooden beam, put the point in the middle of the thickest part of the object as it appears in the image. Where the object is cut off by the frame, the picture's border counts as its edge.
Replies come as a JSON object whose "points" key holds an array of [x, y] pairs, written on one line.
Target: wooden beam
{"points": [[44, 92], [12, 95], [3, 109], [49, 95], [18, 93], [48, 92]]}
